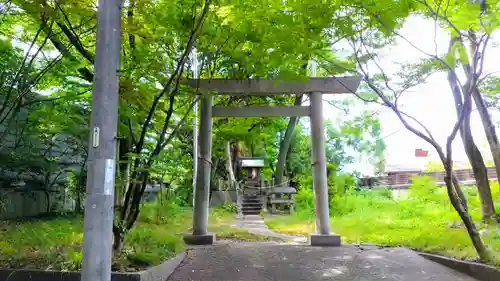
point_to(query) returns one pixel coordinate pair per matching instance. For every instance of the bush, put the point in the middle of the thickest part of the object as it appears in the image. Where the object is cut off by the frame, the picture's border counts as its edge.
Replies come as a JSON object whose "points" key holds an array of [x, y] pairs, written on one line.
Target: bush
{"points": [[228, 207], [422, 188], [304, 201], [339, 184], [384, 193], [160, 212]]}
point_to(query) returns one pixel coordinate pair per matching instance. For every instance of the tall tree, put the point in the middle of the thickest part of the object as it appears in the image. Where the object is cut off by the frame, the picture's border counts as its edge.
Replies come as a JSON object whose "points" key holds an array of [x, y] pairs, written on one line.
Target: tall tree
{"points": [[285, 143]]}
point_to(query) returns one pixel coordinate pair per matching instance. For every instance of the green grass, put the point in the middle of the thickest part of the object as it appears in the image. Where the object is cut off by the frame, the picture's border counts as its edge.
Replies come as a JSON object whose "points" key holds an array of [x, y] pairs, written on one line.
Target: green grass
{"points": [[426, 222], [42, 244], [56, 243]]}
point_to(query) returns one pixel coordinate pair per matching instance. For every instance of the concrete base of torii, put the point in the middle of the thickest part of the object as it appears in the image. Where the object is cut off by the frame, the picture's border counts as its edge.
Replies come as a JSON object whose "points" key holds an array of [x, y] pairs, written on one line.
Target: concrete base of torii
{"points": [[202, 239], [326, 240]]}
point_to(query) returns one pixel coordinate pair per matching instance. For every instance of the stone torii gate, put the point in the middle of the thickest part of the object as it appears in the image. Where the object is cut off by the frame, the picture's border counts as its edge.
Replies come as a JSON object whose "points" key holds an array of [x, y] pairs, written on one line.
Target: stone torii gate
{"points": [[315, 88]]}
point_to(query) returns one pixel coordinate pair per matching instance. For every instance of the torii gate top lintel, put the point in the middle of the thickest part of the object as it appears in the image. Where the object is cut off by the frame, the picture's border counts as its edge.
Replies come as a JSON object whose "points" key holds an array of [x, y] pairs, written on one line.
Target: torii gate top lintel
{"points": [[322, 85], [325, 85]]}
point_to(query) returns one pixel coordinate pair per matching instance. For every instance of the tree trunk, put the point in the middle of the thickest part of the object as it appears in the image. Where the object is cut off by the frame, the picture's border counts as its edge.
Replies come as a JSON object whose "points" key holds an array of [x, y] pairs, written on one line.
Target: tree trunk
{"points": [[126, 180], [473, 154], [124, 147], [489, 129], [78, 204], [285, 143], [229, 165], [214, 170], [237, 154], [454, 189], [118, 239]]}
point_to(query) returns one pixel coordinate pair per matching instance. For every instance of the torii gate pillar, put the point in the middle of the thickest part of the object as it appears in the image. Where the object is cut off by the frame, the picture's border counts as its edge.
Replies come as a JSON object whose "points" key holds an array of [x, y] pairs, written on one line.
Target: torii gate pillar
{"points": [[200, 235], [320, 184]]}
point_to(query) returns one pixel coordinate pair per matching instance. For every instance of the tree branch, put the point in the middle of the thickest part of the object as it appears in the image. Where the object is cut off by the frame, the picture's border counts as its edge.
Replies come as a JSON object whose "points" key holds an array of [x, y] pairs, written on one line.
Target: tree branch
{"points": [[179, 68], [18, 73], [131, 131]]}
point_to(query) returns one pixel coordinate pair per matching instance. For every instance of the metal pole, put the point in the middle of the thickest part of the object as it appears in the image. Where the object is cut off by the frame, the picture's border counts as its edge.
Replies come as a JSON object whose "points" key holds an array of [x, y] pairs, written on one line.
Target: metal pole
{"points": [[99, 203], [200, 209], [195, 127], [319, 164]]}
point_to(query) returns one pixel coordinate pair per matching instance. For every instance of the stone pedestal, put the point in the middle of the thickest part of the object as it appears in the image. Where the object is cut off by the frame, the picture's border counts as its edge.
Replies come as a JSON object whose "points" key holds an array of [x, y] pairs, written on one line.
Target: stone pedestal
{"points": [[329, 240], [202, 239]]}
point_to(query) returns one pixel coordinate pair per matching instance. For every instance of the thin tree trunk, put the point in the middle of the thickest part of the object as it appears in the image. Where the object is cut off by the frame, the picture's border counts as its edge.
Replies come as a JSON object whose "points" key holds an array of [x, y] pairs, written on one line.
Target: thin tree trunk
{"points": [[285, 144], [473, 154], [489, 129], [118, 238], [124, 147], [237, 154], [477, 242], [232, 179], [214, 169], [229, 165]]}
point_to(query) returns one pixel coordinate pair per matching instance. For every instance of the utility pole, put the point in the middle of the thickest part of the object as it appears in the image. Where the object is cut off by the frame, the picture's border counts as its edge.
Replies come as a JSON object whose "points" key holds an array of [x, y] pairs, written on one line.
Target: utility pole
{"points": [[99, 203], [195, 125]]}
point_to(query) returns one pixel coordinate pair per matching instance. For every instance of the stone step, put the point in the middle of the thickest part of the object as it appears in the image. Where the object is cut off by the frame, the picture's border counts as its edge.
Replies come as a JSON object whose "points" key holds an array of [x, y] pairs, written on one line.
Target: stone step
{"points": [[252, 200], [253, 212], [251, 207], [251, 204]]}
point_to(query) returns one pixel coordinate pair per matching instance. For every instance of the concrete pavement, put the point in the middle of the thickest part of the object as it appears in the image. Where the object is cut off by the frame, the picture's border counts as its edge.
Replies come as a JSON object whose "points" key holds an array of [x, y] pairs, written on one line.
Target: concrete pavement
{"points": [[260, 261]]}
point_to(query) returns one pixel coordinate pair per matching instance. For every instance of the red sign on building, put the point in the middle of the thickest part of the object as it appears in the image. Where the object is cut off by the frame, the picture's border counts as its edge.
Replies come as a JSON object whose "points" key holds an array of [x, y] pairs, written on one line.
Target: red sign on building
{"points": [[421, 153]]}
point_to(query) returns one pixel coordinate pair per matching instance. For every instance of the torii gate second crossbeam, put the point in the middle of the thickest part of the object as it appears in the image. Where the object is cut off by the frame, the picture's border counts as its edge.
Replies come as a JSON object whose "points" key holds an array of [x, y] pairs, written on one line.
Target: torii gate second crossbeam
{"points": [[315, 88]]}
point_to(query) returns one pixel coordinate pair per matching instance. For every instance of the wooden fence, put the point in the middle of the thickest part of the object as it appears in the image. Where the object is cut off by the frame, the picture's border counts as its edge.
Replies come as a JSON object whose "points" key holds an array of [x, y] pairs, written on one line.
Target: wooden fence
{"points": [[401, 179]]}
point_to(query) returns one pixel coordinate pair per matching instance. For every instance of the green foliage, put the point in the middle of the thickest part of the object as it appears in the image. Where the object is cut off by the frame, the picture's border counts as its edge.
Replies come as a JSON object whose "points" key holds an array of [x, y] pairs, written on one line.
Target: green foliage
{"points": [[423, 188], [227, 207], [434, 166], [156, 237], [340, 184], [359, 135], [304, 201]]}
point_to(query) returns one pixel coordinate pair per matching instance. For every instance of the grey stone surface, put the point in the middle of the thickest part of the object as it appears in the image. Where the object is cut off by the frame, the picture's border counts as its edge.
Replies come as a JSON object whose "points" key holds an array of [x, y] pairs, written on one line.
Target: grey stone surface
{"points": [[204, 239], [479, 271], [266, 262], [331, 240]]}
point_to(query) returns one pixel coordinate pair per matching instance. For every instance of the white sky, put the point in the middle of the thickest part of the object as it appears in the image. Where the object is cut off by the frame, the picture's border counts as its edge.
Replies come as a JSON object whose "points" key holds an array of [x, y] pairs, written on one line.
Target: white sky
{"points": [[431, 103]]}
